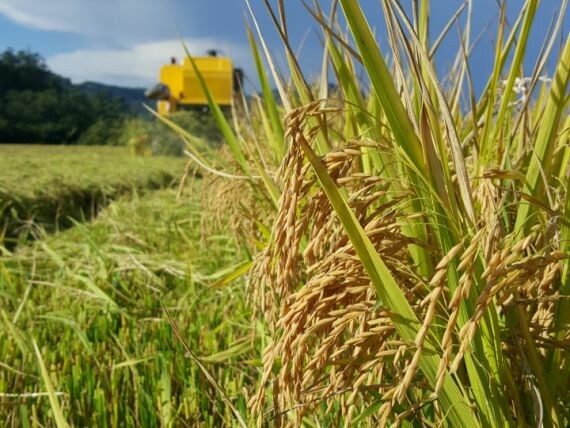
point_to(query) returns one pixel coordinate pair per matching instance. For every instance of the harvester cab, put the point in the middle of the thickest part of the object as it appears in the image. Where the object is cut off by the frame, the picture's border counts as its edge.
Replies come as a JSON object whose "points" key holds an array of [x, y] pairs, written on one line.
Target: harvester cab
{"points": [[179, 87]]}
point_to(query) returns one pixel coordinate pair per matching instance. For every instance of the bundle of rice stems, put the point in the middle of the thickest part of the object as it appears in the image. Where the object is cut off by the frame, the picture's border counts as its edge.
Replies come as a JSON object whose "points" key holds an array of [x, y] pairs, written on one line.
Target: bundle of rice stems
{"points": [[412, 261]]}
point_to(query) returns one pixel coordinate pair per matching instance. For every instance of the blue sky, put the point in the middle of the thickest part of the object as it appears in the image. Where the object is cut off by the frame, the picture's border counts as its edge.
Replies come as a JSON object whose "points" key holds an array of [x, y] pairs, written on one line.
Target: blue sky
{"points": [[124, 42]]}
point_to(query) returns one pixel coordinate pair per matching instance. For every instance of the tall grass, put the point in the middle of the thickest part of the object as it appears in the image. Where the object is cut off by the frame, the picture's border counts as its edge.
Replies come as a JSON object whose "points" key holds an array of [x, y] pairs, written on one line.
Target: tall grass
{"points": [[411, 261], [84, 340], [405, 249]]}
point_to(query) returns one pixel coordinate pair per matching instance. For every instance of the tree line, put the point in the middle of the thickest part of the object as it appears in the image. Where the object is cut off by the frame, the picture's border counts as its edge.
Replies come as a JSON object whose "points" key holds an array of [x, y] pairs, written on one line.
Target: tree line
{"points": [[39, 106]]}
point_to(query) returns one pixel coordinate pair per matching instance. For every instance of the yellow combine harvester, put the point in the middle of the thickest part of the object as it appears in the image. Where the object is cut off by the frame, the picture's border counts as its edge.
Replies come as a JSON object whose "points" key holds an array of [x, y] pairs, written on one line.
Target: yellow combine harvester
{"points": [[179, 88]]}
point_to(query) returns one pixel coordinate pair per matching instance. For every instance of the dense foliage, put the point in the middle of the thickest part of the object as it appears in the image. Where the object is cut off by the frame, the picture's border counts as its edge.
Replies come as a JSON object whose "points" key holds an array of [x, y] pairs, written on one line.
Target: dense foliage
{"points": [[149, 137], [112, 358], [39, 106]]}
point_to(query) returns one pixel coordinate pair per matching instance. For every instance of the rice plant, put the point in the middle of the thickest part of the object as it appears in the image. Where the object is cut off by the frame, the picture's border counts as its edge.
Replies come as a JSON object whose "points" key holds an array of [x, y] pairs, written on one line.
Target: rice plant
{"points": [[411, 256], [84, 336]]}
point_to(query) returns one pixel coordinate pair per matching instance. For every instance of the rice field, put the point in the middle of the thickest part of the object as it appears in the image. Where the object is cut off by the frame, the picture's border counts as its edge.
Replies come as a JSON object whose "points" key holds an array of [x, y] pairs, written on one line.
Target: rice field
{"points": [[393, 253], [93, 300], [43, 187]]}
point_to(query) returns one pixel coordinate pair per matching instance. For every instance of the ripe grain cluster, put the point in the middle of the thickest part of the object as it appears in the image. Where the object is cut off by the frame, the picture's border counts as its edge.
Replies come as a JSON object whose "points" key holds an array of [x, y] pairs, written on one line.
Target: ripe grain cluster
{"points": [[409, 261]]}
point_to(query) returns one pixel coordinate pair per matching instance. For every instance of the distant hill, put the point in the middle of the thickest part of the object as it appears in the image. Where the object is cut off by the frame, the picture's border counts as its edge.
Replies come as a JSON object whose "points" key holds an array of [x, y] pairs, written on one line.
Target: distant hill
{"points": [[133, 97]]}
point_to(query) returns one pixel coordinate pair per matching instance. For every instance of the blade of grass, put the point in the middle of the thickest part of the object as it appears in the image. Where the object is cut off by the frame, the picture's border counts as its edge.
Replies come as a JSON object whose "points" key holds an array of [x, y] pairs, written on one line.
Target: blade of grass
{"points": [[53, 400], [232, 273], [515, 70], [219, 117], [240, 347], [455, 144], [400, 123], [270, 103], [16, 334], [285, 99], [541, 156], [197, 361], [166, 405]]}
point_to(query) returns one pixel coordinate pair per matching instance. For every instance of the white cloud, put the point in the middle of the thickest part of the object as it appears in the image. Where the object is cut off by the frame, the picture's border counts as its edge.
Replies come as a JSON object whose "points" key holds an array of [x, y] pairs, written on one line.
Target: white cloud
{"points": [[122, 35], [120, 19], [121, 39], [55, 15], [140, 64], [22, 16]]}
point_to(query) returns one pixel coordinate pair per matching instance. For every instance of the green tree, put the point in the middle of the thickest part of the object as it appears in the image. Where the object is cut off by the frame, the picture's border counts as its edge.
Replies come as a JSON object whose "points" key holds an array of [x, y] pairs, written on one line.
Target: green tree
{"points": [[39, 106]]}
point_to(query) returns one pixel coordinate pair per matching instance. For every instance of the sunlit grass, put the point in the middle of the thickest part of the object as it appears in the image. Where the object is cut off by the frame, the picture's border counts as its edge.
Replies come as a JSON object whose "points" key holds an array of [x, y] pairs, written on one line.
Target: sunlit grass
{"points": [[42, 186], [92, 299]]}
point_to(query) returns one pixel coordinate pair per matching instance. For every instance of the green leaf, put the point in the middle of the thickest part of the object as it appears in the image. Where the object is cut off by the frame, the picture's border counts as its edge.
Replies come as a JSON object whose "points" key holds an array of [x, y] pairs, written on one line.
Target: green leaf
{"points": [[270, 103], [54, 402], [240, 347], [541, 155], [223, 125], [381, 80], [232, 273]]}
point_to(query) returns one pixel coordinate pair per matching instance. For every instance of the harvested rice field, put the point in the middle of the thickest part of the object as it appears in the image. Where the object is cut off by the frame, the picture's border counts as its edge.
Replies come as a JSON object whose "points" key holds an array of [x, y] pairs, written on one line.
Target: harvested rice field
{"points": [[44, 187]]}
